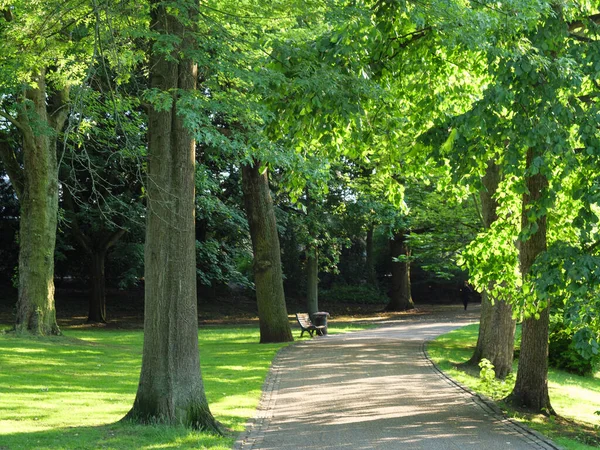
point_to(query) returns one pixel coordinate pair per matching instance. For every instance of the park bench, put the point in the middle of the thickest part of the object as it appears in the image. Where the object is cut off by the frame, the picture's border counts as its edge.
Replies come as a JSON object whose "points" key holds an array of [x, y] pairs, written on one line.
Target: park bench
{"points": [[307, 325]]}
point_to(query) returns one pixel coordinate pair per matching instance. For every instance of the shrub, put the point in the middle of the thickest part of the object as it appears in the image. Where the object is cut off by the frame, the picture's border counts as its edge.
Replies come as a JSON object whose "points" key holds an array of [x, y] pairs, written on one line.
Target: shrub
{"points": [[487, 372], [562, 352], [346, 293]]}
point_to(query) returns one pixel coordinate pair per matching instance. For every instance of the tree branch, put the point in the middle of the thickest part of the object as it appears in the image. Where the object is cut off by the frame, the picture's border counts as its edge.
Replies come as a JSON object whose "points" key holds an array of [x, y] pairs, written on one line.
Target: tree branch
{"points": [[12, 167], [592, 247], [578, 24], [84, 240], [58, 108], [114, 237], [7, 14], [588, 99], [420, 230], [576, 28], [581, 38], [12, 120], [414, 36]]}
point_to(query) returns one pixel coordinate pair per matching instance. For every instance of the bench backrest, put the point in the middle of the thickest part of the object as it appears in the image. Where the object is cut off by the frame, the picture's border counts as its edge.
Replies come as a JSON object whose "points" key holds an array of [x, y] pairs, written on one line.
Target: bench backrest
{"points": [[304, 320]]}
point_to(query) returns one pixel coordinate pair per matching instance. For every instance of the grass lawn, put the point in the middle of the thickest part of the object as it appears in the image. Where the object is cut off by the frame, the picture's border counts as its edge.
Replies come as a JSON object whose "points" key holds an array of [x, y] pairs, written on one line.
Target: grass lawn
{"points": [[68, 392], [575, 399]]}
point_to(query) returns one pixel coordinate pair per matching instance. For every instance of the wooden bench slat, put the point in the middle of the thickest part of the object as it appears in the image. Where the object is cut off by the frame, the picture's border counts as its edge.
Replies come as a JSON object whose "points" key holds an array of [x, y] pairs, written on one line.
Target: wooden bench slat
{"points": [[307, 325]]}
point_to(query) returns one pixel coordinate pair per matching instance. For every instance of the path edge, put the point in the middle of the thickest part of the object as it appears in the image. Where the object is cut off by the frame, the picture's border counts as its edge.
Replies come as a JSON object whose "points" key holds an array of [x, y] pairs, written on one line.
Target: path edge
{"points": [[488, 403], [255, 426]]}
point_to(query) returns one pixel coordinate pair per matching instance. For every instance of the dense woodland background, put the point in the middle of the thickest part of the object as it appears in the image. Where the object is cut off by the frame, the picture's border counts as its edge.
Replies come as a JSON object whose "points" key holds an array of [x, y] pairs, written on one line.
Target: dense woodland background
{"points": [[344, 152]]}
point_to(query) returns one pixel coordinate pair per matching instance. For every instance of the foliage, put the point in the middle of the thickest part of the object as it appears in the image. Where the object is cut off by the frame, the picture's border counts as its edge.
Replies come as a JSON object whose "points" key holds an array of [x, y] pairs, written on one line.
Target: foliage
{"points": [[222, 239], [573, 397], [126, 267], [497, 388], [537, 95], [9, 226], [344, 103], [563, 352], [570, 276], [487, 372], [361, 294]]}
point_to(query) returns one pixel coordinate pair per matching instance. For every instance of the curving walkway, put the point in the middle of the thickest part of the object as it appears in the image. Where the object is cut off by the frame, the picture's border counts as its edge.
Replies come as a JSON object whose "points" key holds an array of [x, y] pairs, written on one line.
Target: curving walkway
{"points": [[377, 389]]}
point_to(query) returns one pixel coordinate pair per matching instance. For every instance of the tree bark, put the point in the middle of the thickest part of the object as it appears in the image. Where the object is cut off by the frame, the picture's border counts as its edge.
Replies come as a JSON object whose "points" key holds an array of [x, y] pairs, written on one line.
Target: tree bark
{"points": [[97, 304], [41, 117], [496, 326], [531, 387], [312, 280], [496, 335], [370, 274], [268, 277], [171, 390], [400, 292]]}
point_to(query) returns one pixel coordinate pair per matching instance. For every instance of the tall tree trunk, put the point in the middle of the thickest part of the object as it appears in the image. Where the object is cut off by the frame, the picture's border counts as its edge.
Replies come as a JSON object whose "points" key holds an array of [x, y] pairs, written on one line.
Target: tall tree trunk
{"points": [[41, 117], [370, 275], [312, 280], [496, 326], [496, 335], [531, 386], [171, 390], [97, 304], [400, 292], [268, 276]]}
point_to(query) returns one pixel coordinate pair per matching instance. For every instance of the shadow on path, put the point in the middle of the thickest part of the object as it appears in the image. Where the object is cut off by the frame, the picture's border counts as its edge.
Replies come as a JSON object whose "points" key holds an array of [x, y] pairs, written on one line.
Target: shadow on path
{"points": [[375, 389]]}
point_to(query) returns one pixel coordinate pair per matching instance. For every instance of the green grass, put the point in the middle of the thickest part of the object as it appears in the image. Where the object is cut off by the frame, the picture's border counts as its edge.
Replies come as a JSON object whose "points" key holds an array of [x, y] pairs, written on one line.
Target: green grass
{"points": [[575, 398], [69, 392]]}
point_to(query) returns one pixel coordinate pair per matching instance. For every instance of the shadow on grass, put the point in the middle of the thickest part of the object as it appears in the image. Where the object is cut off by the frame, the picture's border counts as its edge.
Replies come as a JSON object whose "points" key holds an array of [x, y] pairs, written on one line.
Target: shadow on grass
{"points": [[115, 436], [569, 393], [59, 388]]}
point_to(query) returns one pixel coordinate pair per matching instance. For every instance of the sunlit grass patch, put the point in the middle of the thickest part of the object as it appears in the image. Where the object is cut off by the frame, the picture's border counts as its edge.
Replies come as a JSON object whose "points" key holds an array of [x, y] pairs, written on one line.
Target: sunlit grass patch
{"points": [[575, 398], [69, 391]]}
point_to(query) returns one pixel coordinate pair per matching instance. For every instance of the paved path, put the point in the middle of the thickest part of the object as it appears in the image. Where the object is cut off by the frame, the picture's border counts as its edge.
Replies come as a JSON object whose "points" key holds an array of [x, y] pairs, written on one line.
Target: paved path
{"points": [[376, 389]]}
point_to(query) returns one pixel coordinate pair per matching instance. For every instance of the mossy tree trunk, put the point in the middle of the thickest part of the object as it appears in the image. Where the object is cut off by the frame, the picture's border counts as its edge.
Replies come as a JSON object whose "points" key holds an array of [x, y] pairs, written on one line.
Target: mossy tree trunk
{"points": [[41, 117], [268, 276], [531, 387], [400, 291], [497, 326], [170, 389]]}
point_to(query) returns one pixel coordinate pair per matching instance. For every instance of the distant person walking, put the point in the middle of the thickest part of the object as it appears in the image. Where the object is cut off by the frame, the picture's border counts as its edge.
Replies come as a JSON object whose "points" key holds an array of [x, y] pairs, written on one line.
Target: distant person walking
{"points": [[465, 293]]}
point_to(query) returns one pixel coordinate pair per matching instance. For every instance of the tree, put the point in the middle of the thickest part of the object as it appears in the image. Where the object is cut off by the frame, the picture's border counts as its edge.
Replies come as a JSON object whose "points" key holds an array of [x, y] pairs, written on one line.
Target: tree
{"points": [[37, 105], [531, 387], [312, 279], [274, 324], [101, 186], [535, 110], [171, 390], [96, 248], [400, 292], [495, 341]]}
